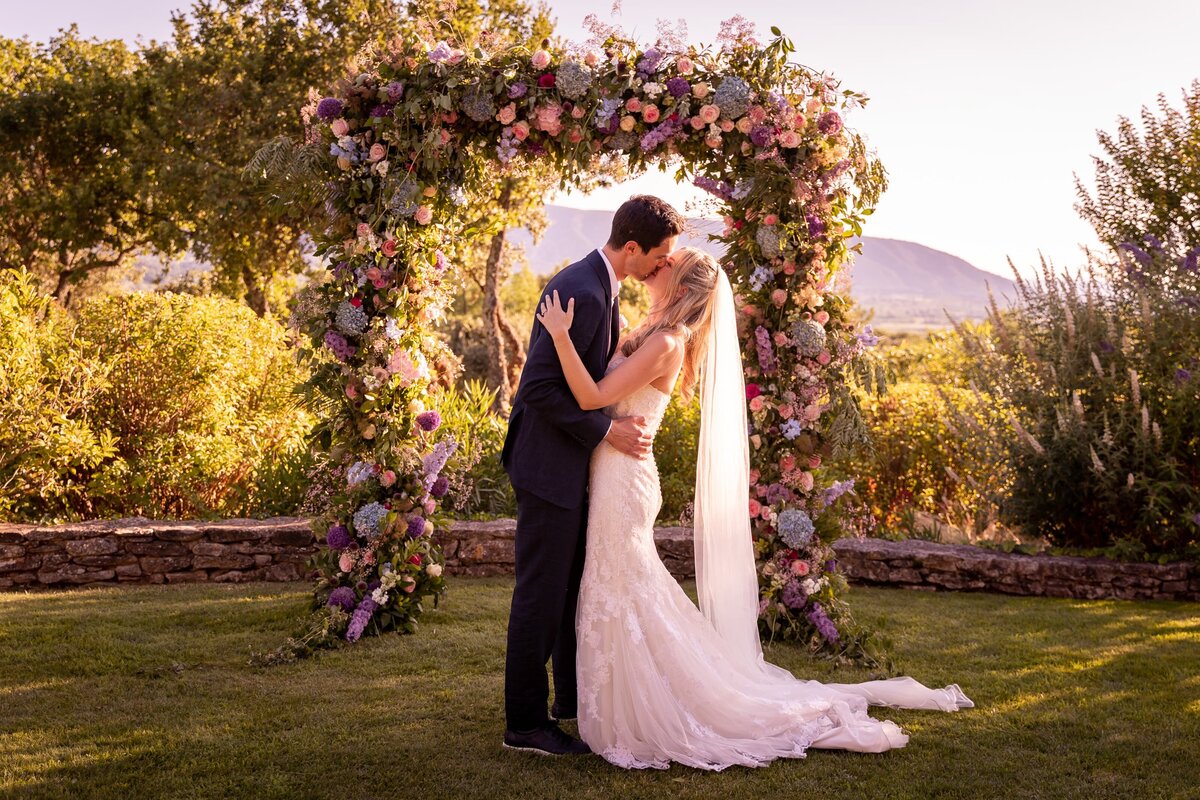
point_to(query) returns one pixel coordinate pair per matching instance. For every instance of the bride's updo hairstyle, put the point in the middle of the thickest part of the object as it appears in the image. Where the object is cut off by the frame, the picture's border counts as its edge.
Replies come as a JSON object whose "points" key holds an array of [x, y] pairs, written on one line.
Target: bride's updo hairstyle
{"points": [[692, 283]]}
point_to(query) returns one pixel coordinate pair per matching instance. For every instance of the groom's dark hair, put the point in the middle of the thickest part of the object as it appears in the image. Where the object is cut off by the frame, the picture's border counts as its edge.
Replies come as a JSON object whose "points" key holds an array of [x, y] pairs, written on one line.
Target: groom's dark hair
{"points": [[644, 219]]}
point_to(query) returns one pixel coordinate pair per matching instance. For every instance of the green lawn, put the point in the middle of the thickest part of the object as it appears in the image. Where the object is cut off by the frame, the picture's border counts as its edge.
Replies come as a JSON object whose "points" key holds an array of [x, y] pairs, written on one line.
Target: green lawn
{"points": [[145, 692]]}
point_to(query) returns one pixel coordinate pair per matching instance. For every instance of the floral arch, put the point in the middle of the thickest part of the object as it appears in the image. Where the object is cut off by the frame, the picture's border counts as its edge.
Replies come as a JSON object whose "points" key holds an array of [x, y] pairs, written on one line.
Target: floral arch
{"points": [[406, 144]]}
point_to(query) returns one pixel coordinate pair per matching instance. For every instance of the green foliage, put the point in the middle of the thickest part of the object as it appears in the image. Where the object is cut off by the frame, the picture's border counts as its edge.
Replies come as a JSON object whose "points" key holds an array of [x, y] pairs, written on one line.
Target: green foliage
{"points": [[1148, 181], [480, 486], [675, 454], [1103, 378], [50, 438], [932, 452], [75, 200]]}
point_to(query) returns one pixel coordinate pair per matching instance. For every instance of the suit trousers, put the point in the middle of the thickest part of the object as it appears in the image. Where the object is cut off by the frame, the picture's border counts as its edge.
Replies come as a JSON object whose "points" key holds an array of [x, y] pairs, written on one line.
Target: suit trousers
{"points": [[550, 548]]}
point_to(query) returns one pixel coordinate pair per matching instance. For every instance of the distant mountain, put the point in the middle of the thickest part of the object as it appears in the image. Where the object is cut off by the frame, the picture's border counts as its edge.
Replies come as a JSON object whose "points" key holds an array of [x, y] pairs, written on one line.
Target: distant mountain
{"points": [[907, 284]]}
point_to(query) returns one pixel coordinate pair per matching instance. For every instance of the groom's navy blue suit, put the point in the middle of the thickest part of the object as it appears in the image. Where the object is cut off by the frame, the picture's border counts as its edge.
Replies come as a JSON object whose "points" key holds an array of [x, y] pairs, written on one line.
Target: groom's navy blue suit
{"points": [[546, 453]]}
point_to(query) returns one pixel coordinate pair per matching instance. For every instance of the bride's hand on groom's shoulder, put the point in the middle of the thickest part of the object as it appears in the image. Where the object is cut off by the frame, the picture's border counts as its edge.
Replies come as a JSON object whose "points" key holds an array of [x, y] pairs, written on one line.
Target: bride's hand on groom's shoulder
{"points": [[554, 318]]}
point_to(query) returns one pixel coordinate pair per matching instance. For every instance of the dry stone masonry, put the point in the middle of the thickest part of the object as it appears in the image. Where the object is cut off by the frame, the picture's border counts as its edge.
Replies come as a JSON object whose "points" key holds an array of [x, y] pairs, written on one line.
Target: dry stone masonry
{"points": [[140, 550]]}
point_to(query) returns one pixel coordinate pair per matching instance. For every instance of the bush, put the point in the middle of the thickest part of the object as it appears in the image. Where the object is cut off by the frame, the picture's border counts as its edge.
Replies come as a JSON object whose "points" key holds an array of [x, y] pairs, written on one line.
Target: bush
{"points": [[933, 452], [1102, 372], [50, 440], [675, 453], [481, 486]]}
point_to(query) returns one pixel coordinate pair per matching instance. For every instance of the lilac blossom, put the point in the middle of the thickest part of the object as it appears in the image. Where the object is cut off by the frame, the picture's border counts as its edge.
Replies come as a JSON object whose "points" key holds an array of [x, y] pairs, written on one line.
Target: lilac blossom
{"points": [[766, 354], [821, 621], [360, 618]]}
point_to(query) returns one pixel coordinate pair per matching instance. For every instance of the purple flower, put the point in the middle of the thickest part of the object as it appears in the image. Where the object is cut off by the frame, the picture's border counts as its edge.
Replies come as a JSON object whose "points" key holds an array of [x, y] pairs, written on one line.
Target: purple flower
{"points": [[832, 493], [867, 338], [1182, 376], [337, 537], [329, 108], [440, 261], [762, 135], [1106, 347], [440, 487], [713, 186], [442, 52], [381, 110], [416, 527], [1154, 242], [1139, 255], [429, 421], [1196, 519], [816, 226], [343, 598], [437, 459], [821, 621], [793, 596], [649, 61], [338, 344], [516, 90], [766, 354], [1191, 260], [678, 87], [830, 123], [360, 618], [777, 493], [395, 90], [665, 131]]}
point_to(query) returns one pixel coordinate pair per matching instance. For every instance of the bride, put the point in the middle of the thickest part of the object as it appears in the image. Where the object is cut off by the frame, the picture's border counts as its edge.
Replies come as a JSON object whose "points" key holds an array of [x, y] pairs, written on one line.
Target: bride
{"points": [[661, 680]]}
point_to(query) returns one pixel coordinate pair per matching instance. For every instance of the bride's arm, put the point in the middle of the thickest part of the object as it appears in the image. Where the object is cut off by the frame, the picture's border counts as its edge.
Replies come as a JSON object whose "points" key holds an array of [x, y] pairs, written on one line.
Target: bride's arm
{"points": [[657, 357]]}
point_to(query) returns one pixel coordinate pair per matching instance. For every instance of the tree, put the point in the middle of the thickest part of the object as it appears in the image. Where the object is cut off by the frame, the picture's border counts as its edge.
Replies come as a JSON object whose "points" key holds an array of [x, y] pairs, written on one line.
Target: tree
{"points": [[233, 78], [1148, 182], [74, 166]]}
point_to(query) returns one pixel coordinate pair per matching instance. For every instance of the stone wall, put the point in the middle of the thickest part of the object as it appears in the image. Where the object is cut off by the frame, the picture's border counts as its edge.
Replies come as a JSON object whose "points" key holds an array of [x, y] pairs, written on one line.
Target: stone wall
{"points": [[139, 550], [144, 551]]}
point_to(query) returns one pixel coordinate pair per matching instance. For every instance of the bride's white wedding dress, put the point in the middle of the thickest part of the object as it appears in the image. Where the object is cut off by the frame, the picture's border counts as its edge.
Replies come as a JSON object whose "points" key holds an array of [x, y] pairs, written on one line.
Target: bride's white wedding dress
{"points": [[658, 683]]}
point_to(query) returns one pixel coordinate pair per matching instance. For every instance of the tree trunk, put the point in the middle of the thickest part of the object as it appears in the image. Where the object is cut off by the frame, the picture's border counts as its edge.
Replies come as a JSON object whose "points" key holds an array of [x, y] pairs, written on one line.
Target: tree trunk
{"points": [[493, 319], [256, 296]]}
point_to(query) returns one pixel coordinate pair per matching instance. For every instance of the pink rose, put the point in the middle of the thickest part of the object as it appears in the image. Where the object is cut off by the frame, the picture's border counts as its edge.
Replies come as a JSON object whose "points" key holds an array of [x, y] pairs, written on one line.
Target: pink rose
{"points": [[786, 410], [780, 339], [787, 462], [823, 358], [684, 65], [576, 135], [755, 507], [340, 127], [714, 142], [577, 112], [756, 404], [754, 476], [779, 297], [805, 481], [633, 105], [744, 125], [547, 118], [373, 273], [799, 568], [363, 229], [696, 123], [726, 125], [821, 317], [756, 114], [770, 219], [378, 151], [789, 269], [709, 113], [389, 250], [540, 59], [430, 505], [789, 139], [346, 561], [650, 113], [521, 130], [424, 215], [507, 114], [351, 392], [387, 478], [591, 59]]}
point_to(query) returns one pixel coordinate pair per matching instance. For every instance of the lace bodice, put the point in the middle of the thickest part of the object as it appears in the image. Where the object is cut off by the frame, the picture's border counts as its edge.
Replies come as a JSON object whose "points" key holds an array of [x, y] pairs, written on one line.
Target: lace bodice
{"points": [[646, 402]]}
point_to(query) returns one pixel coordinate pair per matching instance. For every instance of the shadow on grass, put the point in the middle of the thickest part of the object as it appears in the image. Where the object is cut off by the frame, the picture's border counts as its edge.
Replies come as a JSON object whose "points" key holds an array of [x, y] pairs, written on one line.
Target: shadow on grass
{"points": [[146, 692]]}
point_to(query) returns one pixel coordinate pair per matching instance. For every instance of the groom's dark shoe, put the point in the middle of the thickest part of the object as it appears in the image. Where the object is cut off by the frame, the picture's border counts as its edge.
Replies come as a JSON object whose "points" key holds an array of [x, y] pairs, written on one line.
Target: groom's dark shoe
{"points": [[559, 714], [550, 740]]}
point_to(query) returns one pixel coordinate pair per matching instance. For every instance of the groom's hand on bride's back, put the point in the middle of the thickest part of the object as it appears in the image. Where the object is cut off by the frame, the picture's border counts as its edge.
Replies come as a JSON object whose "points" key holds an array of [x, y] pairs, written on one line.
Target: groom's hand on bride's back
{"points": [[630, 436]]}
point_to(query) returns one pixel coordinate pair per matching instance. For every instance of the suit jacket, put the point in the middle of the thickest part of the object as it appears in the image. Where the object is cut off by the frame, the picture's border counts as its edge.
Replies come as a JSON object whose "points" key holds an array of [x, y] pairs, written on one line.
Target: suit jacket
{"points": [[550, 438]]}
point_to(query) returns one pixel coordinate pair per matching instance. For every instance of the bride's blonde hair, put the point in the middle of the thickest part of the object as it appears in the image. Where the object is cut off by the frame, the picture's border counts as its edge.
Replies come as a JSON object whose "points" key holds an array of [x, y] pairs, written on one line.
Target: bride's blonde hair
{"points": [[688, 310]]}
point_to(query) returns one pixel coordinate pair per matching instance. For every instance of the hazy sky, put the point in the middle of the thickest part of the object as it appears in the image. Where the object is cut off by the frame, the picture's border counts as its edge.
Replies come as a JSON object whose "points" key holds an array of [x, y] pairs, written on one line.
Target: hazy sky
{"points": [[981, 111]]}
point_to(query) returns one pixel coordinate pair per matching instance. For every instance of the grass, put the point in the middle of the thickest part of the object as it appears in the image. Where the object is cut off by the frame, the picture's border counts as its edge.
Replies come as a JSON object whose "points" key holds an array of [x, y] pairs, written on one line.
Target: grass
{"points": [[145, 692]]}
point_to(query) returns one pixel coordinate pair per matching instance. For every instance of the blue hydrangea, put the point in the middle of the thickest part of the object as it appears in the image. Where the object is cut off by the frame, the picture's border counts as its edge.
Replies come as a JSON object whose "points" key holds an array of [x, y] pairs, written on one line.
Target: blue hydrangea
{"points": [[478, 104], [769, 241], [350, 318], [368, 519], [732, 97], [791, 429], [795, 527], [573, 80], [358, 473], [809, 336]]}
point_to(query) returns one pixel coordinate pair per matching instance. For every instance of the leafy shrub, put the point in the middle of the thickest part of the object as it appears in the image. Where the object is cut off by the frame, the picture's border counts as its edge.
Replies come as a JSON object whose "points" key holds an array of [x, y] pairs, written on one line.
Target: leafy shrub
{"points": [[1102, 371], [481, 487], [933, 452], [49, 438], [200, 401], [675, 453]]}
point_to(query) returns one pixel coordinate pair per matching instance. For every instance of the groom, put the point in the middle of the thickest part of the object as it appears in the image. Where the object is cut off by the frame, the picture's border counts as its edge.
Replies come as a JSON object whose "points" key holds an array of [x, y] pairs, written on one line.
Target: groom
{"points": [[546, 454]]}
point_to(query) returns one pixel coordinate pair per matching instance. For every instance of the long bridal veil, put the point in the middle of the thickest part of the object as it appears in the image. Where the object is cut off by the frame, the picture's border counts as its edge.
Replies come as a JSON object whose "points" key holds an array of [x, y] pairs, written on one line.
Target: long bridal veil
{"points": [[726, 575]]}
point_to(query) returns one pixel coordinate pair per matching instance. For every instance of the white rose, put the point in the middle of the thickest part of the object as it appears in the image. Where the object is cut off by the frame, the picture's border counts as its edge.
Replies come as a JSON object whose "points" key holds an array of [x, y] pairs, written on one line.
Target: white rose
{"points": [[434, 570]]}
